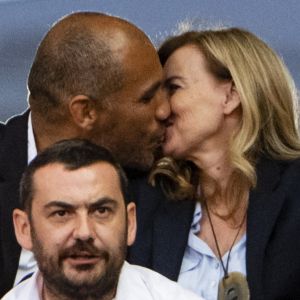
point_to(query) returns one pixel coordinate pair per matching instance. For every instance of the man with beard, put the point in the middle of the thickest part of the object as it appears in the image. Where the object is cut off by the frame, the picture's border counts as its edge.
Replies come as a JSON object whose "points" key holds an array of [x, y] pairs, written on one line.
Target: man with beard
{"points": [[96, 77], [77, 222]]}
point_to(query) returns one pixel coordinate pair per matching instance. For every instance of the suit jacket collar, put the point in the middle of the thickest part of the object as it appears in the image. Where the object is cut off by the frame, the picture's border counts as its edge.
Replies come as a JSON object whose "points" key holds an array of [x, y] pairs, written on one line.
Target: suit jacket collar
{"points": [[264, 207], [171, 231], [13, 149]]}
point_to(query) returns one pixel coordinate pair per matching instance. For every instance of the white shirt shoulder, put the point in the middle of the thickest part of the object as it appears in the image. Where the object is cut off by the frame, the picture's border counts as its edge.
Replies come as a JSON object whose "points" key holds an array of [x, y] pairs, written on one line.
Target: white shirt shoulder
{"points": [[137, 283], [29, 289]]}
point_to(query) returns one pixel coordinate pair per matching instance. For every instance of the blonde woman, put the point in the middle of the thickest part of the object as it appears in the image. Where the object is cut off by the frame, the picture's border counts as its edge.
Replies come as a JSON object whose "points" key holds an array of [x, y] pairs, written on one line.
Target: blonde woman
{"points": [[232, 171]]}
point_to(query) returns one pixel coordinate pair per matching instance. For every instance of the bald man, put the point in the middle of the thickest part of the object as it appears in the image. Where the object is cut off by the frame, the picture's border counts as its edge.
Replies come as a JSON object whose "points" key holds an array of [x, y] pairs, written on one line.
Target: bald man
{"points": [[96, 77]]}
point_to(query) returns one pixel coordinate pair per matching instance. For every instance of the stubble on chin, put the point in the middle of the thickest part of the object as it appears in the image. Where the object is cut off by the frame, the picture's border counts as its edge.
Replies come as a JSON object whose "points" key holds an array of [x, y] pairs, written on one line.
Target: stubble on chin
{"points": [[86, 281]]}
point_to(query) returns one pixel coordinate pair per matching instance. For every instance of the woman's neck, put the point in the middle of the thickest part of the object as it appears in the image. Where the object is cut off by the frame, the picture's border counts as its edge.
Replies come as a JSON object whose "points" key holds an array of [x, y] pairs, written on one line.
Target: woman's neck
{"points": [[216, 165]]}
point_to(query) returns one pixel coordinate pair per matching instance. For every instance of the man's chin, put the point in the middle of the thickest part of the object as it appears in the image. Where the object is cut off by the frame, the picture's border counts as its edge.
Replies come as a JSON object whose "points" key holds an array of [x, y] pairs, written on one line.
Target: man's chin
{"points": [[84, 273], [146, 163], [79, 285], [97, 280]]}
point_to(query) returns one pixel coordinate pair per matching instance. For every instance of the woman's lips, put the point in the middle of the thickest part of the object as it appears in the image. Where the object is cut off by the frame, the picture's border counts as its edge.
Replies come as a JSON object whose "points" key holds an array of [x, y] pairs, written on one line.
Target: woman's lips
{"points": [[168, 131], [170, 121]]}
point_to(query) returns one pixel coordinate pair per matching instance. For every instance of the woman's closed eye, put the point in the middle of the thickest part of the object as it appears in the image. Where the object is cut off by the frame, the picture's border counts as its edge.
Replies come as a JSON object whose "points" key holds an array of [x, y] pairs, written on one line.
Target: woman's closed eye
{"points": [[171, 88]]}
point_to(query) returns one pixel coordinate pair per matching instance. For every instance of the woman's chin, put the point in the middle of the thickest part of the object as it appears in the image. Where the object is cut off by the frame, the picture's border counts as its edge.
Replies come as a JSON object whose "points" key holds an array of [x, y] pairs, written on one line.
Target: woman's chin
{"points": [[167, 149], [172, 151]]}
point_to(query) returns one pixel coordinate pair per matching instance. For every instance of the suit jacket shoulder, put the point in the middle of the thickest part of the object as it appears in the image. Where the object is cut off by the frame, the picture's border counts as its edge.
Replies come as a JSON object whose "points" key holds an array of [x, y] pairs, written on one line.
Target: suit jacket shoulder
{"points": [[13, 147], [162, 230], [273, 226], [13, 160]]}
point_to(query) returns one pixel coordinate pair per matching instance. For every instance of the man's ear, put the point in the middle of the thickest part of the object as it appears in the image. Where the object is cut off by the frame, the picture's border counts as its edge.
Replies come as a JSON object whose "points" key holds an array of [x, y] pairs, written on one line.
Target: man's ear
{"points": [[131, 223], [83, 111], [232, 100], [22, 228]]}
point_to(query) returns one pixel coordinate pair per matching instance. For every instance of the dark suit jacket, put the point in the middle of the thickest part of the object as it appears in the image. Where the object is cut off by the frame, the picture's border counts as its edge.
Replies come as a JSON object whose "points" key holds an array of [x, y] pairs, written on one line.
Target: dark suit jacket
{"points": [[273, 229], [13, 160]]}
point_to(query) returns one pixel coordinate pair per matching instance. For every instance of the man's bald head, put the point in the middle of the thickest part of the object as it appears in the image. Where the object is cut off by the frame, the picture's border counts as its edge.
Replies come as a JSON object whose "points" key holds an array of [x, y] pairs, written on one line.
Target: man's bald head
{"points": [[99, 77], [82, 54]]}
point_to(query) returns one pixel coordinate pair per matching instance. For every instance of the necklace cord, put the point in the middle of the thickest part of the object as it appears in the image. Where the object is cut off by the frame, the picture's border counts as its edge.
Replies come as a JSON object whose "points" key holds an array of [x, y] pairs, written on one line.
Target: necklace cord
{"points": [[225, 269]]}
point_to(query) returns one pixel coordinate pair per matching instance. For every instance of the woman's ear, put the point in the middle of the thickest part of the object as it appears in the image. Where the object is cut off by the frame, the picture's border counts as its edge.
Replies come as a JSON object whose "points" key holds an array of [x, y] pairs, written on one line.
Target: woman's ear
{"points": [[22, 228], [232, 100], [83, 111], [131, 223]]}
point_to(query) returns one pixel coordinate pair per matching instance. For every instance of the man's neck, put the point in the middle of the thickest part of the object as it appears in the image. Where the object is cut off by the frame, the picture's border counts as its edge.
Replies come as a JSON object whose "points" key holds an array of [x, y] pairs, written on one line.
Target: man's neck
{"points": [[46, 134], [52, 294]]}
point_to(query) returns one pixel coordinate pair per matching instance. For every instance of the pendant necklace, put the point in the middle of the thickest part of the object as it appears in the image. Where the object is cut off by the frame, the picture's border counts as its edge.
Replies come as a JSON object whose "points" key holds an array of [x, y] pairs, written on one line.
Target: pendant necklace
{"points": [[234, 285]]}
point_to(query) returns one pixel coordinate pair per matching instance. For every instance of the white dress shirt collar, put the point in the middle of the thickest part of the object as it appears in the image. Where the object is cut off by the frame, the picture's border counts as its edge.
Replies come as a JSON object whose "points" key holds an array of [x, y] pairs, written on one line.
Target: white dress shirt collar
{"points": [[32, 151]]}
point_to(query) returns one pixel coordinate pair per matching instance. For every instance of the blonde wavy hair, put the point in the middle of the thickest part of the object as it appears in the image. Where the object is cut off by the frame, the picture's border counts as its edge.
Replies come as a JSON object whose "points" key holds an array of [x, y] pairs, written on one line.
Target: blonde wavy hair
{"points": [[269, 110]]}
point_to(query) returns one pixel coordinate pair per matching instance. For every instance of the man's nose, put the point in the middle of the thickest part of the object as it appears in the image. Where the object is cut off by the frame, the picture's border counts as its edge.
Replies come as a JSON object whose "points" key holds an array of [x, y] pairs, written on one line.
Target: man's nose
{"points": [[83, 228], [163, 106]]}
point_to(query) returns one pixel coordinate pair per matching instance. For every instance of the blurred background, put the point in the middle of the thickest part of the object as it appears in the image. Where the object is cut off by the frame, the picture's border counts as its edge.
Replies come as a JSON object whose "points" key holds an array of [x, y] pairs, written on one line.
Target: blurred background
{"points": [[23, 23]]}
